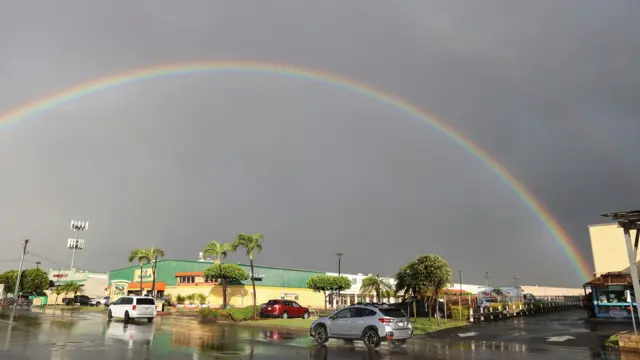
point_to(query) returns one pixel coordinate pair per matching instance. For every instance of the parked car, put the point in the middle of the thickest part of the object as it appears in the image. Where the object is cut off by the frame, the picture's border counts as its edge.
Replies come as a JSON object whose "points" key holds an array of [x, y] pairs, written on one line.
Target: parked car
{"points": [[133, 307], [284, 309], [99, 301], [370, 324], [78, 299]]}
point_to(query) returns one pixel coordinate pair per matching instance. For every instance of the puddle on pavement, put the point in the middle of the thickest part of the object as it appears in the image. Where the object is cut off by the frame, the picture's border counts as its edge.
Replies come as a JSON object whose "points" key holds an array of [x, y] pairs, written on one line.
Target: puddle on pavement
{"points": [[172, 338]]}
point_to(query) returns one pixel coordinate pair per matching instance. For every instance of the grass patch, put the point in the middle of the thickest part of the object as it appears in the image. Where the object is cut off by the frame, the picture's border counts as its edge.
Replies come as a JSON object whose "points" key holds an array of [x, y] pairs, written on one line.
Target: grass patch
{"points": [[76, 308], [234, 314], [427, 325], [284, 323], [420, 326], [612, 342]]}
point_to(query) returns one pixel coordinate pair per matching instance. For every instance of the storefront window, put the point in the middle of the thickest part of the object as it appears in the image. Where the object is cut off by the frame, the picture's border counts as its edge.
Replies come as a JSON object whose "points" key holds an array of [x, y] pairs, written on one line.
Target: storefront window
{"points": [[611, 297]]}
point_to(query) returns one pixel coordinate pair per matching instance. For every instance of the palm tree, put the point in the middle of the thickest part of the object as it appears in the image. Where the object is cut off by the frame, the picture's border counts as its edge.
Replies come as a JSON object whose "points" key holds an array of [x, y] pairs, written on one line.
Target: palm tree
{"points": [[373, 284], [252, 243], [141, 256], [154, 253], [58, 290], [73, 287], [408, 283], [219, 250]]}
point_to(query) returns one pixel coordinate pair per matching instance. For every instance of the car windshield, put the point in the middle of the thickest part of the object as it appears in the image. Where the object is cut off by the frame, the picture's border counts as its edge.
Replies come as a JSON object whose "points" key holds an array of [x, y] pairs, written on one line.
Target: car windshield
{"points": [[393, 313]]}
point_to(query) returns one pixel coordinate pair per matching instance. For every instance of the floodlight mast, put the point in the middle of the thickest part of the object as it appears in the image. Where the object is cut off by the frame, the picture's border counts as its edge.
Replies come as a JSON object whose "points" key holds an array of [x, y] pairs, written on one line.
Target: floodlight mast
{"points": [[76, 244], [630, 220]]}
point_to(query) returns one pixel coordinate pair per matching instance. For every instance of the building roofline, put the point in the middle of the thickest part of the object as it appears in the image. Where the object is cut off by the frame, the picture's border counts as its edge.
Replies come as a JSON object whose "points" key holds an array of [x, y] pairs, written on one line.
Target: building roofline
{"points": [[211, 262], [609, 223]]}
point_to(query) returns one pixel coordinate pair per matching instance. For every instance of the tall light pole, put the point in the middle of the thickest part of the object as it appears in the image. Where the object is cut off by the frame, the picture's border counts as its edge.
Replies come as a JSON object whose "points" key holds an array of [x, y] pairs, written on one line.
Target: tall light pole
{"points": [[38, 265], [339, 255], [77, 243], [487, 276]]}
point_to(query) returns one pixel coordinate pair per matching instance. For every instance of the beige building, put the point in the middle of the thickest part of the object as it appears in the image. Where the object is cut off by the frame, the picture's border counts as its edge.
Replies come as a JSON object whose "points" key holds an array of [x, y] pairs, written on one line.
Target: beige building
{"points": [[609, 249], [93, 284]]}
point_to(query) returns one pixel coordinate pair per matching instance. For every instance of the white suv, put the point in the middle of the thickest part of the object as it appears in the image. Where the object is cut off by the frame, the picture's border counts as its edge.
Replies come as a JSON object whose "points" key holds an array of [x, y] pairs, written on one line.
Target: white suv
{"points": [[133, 307]]}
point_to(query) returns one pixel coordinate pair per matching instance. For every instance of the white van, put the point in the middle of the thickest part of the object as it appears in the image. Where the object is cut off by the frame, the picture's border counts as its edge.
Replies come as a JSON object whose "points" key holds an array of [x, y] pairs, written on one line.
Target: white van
{"points": [[133, 307]]}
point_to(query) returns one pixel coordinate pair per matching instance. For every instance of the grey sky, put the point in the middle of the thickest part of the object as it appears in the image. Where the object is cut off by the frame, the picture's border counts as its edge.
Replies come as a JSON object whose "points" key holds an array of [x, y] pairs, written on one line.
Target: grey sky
{"points": [[548, 88]]}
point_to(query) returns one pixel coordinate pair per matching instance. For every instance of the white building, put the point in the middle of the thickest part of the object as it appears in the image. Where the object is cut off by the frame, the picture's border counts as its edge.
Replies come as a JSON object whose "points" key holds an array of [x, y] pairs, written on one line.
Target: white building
{"points": [[353, 295], [93, 284]]}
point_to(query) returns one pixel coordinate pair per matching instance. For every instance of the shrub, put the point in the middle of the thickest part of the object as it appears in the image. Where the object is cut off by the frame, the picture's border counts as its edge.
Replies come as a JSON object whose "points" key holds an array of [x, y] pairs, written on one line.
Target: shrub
{"points": [[241, 314], [207, 314], [455, 313]]}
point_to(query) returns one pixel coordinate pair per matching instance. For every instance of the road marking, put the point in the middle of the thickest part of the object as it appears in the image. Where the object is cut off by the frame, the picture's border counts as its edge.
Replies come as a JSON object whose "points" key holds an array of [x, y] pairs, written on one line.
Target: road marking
{"points": [[560, 338], [468, 334], [6, 322]]}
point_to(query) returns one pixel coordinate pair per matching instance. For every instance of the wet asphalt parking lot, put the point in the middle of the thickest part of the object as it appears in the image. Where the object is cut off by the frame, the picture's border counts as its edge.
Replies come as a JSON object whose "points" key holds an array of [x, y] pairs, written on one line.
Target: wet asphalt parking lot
{"points": [[85, 335]]}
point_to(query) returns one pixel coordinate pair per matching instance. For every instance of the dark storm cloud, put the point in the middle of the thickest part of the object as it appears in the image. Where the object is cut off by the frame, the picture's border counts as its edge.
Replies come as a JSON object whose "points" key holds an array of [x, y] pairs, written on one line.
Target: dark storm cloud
{"points": [[548, 88]]}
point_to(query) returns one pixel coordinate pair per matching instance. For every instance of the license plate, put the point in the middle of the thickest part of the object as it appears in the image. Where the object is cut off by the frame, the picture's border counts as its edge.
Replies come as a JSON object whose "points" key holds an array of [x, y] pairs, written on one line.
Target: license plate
{"points": [[269, 308], [400, 324]]}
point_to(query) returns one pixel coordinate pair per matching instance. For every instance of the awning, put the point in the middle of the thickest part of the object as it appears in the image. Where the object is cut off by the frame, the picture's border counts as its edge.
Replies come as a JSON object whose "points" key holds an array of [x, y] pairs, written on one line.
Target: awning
{"points": [[190, 273], [147, 286]]}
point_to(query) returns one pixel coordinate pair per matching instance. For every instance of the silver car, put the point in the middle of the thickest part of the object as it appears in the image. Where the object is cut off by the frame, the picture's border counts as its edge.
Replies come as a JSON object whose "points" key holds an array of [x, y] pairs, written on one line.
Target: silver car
{"points": [[370, 324]]}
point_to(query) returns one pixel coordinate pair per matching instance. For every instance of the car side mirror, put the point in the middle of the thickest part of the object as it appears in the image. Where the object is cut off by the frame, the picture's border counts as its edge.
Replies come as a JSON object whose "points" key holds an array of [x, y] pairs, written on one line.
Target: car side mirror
{"points": [[331, 317]]}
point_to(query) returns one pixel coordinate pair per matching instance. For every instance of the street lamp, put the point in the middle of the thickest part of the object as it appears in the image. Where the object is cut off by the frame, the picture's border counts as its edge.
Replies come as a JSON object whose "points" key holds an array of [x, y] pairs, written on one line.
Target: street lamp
{"points": [[339, 255], [38, 265], [77, 243], [487, 276]]}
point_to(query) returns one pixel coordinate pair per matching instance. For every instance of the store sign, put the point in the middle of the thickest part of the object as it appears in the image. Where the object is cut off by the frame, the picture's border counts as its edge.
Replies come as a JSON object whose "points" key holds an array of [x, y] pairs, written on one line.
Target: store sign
{"points": [[258, 276], [617, 313], [147, 275], [118, 289]]}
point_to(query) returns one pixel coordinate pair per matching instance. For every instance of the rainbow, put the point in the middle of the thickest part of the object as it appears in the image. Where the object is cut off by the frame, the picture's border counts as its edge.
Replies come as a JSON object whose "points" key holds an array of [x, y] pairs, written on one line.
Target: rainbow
{"points": [[582, 267]]}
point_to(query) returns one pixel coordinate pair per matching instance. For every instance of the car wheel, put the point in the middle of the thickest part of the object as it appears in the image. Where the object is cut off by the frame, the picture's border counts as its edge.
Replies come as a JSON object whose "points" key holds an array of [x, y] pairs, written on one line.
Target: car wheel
{"points": [[285, 315], [371, 339], [127, 319], [398, 343], [109, 316], [98, 303], [320, 334], [305, 315]]}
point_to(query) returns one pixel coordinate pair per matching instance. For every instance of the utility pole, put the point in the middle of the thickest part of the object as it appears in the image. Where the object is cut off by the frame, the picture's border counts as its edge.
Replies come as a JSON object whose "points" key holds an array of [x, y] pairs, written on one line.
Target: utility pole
{"points": [[460, 294], [17, 289], [339, 255]]}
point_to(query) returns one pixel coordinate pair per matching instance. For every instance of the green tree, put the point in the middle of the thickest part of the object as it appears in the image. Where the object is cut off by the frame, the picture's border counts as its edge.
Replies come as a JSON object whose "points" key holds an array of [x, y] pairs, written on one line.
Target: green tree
{"points": [[142, 257], [34, 280], [58, 290], [220, 251], [74, 288], [328, 285], [373, 284], [433, 274], [252, 243], [8, 279], [408, 283], [153, 254], [226, 273]]}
